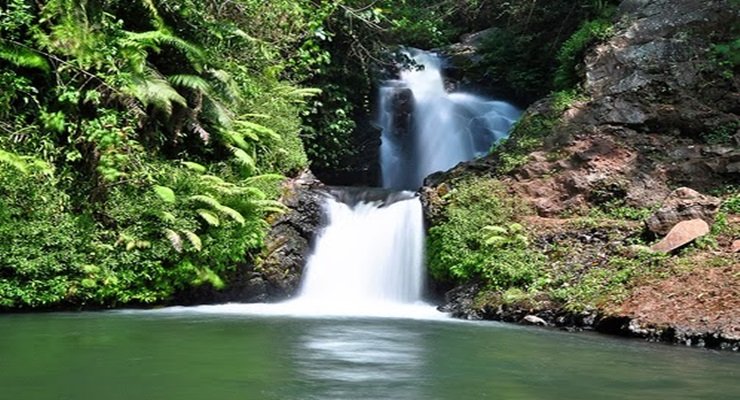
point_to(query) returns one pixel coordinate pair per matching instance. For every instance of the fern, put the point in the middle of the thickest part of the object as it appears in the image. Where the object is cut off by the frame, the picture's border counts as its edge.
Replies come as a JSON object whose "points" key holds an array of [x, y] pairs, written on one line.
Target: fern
{"points": [[264, 177], [270, 206], [204, 199], [22, 57], [257, 131], [166, 194], [156, 18], [233, 214], [194, 166], [237, 140], [168, 217], [152, 89], [243, 158], [24, 164], [192, 82], [209, 217], [194, 240], [174, 239], [155, 40]]}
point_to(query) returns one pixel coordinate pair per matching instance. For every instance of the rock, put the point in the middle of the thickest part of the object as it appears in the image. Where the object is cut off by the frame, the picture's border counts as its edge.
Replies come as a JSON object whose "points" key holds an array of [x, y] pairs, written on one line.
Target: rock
{"points": [[681, 205], [533, 320], [735, 248], [290, 240], [682, 234], [460, 302], [402, 107]]}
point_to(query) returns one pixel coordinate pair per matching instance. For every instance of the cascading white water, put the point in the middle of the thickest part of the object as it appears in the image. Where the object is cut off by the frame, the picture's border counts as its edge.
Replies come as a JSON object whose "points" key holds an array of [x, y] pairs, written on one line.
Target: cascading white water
{"points": [[368, 261], [367, 255], [426, 129]]}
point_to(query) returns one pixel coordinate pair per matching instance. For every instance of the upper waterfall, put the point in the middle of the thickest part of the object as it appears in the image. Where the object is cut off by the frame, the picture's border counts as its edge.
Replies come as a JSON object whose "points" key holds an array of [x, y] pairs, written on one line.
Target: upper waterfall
{"points": [[426, 129]]}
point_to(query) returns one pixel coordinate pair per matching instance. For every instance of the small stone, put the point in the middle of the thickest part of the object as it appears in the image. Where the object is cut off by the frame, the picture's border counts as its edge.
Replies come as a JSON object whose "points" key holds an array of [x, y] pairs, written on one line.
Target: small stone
{"points": [[682, 234], [533, 320], [735, 248]]}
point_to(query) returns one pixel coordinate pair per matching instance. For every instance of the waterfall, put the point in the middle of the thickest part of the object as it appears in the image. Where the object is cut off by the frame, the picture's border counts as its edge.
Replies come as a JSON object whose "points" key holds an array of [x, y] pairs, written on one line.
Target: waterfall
{"points": [[426, 129], [368, 261], [370, 253]]}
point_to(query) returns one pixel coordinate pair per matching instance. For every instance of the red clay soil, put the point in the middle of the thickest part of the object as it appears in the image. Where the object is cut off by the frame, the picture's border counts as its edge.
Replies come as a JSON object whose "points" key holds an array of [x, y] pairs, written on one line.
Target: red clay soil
{"points": [[703, 300]]}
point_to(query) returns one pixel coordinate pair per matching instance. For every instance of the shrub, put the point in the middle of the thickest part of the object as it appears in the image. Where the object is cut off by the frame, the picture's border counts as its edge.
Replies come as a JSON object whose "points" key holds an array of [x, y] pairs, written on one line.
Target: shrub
{"points": [[460, 249]]}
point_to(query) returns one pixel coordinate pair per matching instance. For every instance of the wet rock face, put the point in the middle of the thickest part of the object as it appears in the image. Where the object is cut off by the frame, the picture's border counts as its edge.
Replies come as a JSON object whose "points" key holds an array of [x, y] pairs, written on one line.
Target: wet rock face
{"points": [[290, 241], [681, 205], [402, 104]]}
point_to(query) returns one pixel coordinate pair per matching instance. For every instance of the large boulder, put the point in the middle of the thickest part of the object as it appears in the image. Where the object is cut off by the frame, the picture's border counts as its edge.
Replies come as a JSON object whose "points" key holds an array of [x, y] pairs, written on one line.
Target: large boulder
{"points": [[681, 205], [290, 240]]}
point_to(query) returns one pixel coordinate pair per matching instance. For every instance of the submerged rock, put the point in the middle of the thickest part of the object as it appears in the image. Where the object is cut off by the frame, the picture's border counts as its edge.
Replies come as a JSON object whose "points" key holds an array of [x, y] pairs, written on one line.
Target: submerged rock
{"points": [[533, 320]]}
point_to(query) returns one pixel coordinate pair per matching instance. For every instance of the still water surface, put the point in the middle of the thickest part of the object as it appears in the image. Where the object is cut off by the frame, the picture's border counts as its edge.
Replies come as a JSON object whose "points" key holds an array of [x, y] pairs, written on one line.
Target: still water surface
{"points": [[206, 356]]}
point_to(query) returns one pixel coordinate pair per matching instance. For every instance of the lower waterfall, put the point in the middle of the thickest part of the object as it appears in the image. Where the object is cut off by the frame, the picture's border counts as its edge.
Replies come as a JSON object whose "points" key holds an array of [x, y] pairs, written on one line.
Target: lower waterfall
{"points": [[369, 253]]}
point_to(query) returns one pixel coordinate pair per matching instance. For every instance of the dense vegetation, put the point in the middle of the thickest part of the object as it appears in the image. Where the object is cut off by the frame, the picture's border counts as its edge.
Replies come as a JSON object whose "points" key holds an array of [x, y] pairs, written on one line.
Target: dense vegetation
{"points": [[142, 142]]}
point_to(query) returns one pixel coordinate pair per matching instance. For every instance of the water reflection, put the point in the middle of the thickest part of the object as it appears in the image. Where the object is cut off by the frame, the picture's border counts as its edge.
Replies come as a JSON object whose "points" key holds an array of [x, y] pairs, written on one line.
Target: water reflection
{"points": [[361, 361]]}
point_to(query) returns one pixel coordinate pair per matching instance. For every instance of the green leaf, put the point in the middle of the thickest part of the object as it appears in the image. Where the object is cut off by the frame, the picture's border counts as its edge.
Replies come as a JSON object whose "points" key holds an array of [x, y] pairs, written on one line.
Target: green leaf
{"points": [[205, 199], [194, 166], [194, 240], [233, 214], [243, 158], [23, 57], [192, 82], [167, 216], [166, 194], [209, 217]]}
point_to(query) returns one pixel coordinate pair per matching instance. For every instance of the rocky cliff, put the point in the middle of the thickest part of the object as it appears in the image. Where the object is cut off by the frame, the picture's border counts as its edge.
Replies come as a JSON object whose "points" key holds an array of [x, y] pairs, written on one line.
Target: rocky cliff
{"points": [[657, 109]]}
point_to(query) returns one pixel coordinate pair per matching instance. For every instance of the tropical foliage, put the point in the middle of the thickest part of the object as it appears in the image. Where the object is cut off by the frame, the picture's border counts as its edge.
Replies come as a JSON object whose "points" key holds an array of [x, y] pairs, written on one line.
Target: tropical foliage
{"points": [[142, 142]]}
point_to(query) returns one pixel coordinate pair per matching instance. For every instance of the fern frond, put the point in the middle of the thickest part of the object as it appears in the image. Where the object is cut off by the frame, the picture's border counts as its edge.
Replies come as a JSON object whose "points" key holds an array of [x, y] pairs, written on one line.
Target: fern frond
{"points": [[216, 113], [300, 94], [192, 82], [270, 206], [252, 192], [174, 239], [212, 179], [167, 216], [22, 57], [264, 177], [233, 214], [152, 89], [197, 128], [224, 85], [207, 275], [243, 158], [193, 166], [495, 229], [24, 164], [236, 139], [205, 199], [494, 239], [259, 130], [194, 240], [156, 18], [209, 217], [166, 194], [155, 40]]}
